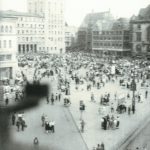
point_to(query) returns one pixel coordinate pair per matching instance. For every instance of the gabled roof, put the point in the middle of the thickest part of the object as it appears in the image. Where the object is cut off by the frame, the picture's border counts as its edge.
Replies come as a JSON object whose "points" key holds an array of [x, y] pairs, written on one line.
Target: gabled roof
{"points": [[91, 18], [144, 15]]}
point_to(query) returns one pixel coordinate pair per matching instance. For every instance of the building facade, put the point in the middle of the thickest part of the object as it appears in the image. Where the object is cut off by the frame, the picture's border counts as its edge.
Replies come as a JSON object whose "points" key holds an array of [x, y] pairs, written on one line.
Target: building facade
{"points": [[115, 41], [92, 21], [30, 31], [8, 47], [111, 42], [54, 24], [140, 32], [70, 37]]}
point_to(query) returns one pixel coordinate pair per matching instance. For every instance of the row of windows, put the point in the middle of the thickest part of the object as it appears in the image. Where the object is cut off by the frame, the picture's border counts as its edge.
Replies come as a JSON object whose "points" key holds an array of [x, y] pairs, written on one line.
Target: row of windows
{"points": [[5, 44], [107, 44], [56, 32], [30, 32], [55, 39], [108, 32], [55, 26], [6, 29], [38, 32], [48, 48], [30, 38], [31, 25], [30, 19], [5, 57], [107, 37]]}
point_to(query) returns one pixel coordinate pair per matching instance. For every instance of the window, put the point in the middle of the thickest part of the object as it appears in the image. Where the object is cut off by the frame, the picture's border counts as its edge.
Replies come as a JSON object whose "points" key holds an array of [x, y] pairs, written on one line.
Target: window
{"points": [[6, 29], [2, 28], [139, 26], [138, 36], [10, 29], [148, 34], [10, 44], [148, 48], [2, 57], [138, 48], [8, 57], [5, 44]]}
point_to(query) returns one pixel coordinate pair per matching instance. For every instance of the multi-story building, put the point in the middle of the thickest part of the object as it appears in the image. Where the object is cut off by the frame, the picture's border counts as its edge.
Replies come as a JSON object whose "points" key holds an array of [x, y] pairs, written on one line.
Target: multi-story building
{"points": [[8, 47], [30, 31], [70, 37], [54, 24], [140, 32], [111, 42], [115, 41], [100, 21]]}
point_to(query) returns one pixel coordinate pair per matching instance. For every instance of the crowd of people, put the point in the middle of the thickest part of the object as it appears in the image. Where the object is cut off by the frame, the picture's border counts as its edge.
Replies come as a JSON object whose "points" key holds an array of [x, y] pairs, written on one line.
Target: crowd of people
{"points": [[86, 73]]}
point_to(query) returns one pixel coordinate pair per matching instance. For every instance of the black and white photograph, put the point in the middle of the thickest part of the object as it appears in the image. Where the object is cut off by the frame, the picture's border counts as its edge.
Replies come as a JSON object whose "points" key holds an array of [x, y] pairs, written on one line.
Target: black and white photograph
{"points": [[74, 74]]}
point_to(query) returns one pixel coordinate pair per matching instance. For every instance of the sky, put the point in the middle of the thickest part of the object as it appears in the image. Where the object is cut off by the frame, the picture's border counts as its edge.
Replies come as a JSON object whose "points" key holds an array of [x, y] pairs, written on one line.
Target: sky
{"points": [[76, 10]]}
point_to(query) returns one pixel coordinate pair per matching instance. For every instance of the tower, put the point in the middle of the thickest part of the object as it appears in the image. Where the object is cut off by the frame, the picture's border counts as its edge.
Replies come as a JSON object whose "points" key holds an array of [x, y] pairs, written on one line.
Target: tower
{"points": [[54, 24]]}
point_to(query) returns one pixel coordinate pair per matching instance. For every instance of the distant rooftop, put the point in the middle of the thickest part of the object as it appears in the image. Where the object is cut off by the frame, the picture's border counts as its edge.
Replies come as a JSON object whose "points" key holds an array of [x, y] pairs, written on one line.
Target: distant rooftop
{"points": [[92, 18], [12, 13], [144, 15]]}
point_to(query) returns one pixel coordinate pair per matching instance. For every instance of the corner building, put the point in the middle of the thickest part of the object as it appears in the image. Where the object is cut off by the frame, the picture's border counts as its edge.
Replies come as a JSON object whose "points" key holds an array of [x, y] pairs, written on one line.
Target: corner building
{"points": [[140, 32], [54, 24], [8, 48]]}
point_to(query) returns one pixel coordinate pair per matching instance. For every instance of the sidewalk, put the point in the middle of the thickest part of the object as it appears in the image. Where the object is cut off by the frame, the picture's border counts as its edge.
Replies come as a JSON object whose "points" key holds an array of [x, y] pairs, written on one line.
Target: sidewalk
{"points": [[93, 134]]}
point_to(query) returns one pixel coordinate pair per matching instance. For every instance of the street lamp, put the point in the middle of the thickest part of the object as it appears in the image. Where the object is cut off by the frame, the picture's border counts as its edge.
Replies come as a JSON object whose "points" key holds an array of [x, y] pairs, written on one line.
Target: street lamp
{"points": [[133, 88]]}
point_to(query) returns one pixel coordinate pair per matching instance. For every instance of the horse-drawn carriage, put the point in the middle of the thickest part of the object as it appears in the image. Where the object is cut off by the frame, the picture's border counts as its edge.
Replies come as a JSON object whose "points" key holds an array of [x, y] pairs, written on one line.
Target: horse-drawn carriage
{"points": [[121, 108], [67, 101]]}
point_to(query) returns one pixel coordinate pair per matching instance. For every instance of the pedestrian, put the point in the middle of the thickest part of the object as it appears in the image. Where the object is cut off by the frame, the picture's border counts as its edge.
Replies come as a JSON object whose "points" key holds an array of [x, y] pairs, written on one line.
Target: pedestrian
{"points": [[59, 96], [98, 147], [118, 122], [36, 141], [13, 119], [18, 125], [56, 97], [146, 94], [102, 146], [43, 120], [6, 101], [133, 109], [47, 99], [129, 110], [53, 126], [128, 95], [92, 97], [52, 99], [46, 126], [82, 125], [23, 124]]}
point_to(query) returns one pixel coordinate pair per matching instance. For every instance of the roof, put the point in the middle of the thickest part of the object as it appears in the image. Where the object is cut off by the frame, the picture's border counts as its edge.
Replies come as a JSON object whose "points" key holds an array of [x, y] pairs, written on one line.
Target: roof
{"points": [[121, 23], [144, 15], [11, 13], [92, 18]]}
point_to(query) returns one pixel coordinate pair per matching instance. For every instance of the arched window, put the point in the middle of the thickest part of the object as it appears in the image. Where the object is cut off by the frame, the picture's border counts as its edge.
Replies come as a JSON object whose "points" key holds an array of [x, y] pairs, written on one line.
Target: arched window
{"points": [[148, 34], [10, 29], [2, 28], [6, 29], [5, 44]]}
